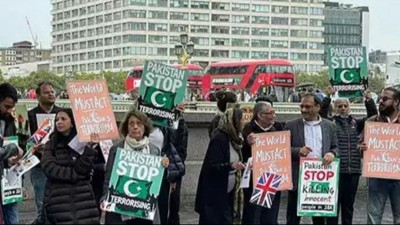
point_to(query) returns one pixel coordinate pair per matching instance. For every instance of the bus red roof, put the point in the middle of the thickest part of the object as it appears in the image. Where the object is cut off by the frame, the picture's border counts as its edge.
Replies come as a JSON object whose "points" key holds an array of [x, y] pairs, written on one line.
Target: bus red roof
{"points": [[189, 67], [280, 62]]}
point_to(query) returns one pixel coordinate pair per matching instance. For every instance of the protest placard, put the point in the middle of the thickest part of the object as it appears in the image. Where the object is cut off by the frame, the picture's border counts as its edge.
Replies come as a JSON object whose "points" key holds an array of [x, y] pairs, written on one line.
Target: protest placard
{"points": [[134, 184], [271, 153], [382, 159], [11, 193], [348, 72], [20, 113], [92, 109], [247, 109], [318, 188], [162, 88]]}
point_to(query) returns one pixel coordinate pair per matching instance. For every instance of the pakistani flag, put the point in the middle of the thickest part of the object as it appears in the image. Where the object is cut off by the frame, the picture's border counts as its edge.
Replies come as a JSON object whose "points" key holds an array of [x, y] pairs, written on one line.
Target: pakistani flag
{"points": [[347, 76], [133, 188], [159, 98]]}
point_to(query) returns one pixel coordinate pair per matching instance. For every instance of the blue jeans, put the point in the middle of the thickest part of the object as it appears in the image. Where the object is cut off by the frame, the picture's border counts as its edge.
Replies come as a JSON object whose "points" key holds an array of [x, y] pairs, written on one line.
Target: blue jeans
{"points": [[378, 191], [38, 179], [10, 213]]}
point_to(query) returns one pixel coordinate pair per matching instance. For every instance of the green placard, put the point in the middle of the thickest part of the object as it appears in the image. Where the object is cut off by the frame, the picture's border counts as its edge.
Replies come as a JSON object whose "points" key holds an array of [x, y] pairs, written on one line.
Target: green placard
{"points": [[348, 71], [162, 88], [11, 193], [134, 184], [318, 188]]}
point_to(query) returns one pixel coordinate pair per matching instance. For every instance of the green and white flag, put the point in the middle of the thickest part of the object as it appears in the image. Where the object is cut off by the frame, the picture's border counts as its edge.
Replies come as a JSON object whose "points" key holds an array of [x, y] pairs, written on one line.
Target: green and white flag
{"points": [[134, 184], [162, 88], [348, 72], [11, 193]]}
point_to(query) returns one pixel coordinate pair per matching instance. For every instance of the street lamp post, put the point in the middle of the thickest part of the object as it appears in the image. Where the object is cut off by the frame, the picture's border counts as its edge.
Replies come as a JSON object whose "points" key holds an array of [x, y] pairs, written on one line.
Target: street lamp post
{"points": [[184, 50]]}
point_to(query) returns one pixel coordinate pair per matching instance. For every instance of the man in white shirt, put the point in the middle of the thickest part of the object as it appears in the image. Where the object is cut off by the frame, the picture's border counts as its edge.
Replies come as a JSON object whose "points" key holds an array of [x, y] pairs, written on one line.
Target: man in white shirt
{"points": [[311, 137]]}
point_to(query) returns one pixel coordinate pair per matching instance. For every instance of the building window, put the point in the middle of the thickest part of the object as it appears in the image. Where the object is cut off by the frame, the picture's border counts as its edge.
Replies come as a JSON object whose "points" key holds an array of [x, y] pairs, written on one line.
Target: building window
{"points": [[199, 17], [158, 3], [178, 27], [240, 19], [156, 39], [179, 3], [298, 33], [200, 5], [201, 40], [134, 38], [240, 54], [299, 10], [316, 57], [316, 11], [134, 14], [315, 45], [280, 9], [240, 42], [298, 56], [315, 23], [259, 55], [117, 28], [134, 50], [134, 2], [279, 32], [201, 53], [259, 43], [220, 6], [260, 31], [199, 29], [279, 44], [219, 30], [179, 16], [315, 34], [260, 19], [241, 30], [117, 15], [157, 51], [298, 22], [157, 15], [279, 55], [298, 44], [219, 18], [99, 19], [158, 26], [220, 41], [240, 7], [259, 8], [220, 53], [280, 20]]}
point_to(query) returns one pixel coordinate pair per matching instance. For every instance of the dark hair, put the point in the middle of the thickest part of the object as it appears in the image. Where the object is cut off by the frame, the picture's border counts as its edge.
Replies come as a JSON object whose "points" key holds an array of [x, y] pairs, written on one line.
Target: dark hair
{"points": [[396, 93], [7, 90], [57, 136], [237, 117], [40, 84], [148, 126], [317, 101], [223, 98], [264, 99]]}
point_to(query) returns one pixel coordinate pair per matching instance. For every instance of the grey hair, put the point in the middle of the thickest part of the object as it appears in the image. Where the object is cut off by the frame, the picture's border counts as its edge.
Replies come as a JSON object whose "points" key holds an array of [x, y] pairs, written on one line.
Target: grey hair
{"points": [[259, 106], [342, 99]]}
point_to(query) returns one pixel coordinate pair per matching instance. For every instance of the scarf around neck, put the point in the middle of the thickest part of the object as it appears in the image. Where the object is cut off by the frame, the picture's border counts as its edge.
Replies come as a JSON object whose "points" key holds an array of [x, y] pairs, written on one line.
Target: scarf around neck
{"points": [[133, 144]]}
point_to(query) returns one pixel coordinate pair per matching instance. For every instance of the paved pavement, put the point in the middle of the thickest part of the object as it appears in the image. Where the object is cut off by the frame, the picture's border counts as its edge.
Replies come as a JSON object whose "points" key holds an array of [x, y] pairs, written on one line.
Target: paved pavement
{"points": [[188, 216]]}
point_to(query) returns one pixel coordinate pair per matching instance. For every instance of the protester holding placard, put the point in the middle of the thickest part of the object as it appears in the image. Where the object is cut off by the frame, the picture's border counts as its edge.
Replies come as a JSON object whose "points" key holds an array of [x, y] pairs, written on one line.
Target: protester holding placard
{"points": [[68, 194], [312, 137], [135, 128], [380, 189], [46, 107], [263, 121], [348, 130], [219, 198], [10, 154]]}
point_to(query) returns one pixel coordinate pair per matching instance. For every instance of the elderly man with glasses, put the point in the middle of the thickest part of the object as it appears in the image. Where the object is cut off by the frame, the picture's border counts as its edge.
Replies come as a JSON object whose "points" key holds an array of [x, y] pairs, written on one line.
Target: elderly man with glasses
{"points": [[349, 129]]}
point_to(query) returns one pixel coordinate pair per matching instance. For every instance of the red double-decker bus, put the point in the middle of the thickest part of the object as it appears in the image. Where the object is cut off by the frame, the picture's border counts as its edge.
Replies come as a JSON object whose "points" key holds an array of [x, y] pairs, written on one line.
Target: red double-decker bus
{"points": [[253, 76], [132, 82]]}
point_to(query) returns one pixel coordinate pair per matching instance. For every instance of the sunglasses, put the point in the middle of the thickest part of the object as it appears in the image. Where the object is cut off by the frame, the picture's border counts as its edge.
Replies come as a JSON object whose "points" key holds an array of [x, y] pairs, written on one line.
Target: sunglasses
{"points": [[342, 106]]}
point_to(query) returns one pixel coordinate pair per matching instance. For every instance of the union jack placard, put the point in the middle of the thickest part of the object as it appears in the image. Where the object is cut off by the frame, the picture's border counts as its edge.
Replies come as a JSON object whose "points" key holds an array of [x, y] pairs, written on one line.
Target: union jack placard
{"points": [[265, 190]]}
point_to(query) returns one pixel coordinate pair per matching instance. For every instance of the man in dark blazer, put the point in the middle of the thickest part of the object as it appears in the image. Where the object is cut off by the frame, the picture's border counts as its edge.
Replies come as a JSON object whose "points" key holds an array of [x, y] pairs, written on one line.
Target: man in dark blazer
{"points": [[311, 137]]}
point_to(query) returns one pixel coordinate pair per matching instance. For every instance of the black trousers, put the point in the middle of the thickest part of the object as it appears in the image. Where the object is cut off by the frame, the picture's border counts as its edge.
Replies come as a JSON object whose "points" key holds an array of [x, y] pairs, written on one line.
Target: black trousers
{"points": [[348, 185], [163, 201], [219, 212], [291, 213], [254, 214], [174, 204]]}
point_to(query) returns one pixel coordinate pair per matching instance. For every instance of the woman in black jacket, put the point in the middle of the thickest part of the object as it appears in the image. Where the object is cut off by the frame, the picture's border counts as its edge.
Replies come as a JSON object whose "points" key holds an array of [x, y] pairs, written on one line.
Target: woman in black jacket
{"points": [[69, 197], [219, 199]]}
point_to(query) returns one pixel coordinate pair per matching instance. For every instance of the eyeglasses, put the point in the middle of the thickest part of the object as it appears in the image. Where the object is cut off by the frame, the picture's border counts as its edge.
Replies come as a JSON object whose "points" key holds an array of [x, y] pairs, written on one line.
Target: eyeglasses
{"points": [[268, 113], [342, 106], [385, 98]]}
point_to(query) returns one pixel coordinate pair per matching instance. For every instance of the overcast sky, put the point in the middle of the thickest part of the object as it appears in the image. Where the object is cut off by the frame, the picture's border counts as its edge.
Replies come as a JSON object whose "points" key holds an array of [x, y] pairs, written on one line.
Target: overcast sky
{"points": [[384, 22]]}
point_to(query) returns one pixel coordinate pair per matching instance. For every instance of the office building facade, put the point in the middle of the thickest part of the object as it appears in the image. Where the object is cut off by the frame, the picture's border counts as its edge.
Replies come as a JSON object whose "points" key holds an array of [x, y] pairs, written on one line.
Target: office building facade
{"points": [[22, 52], [95, 35], [345, 26]]}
